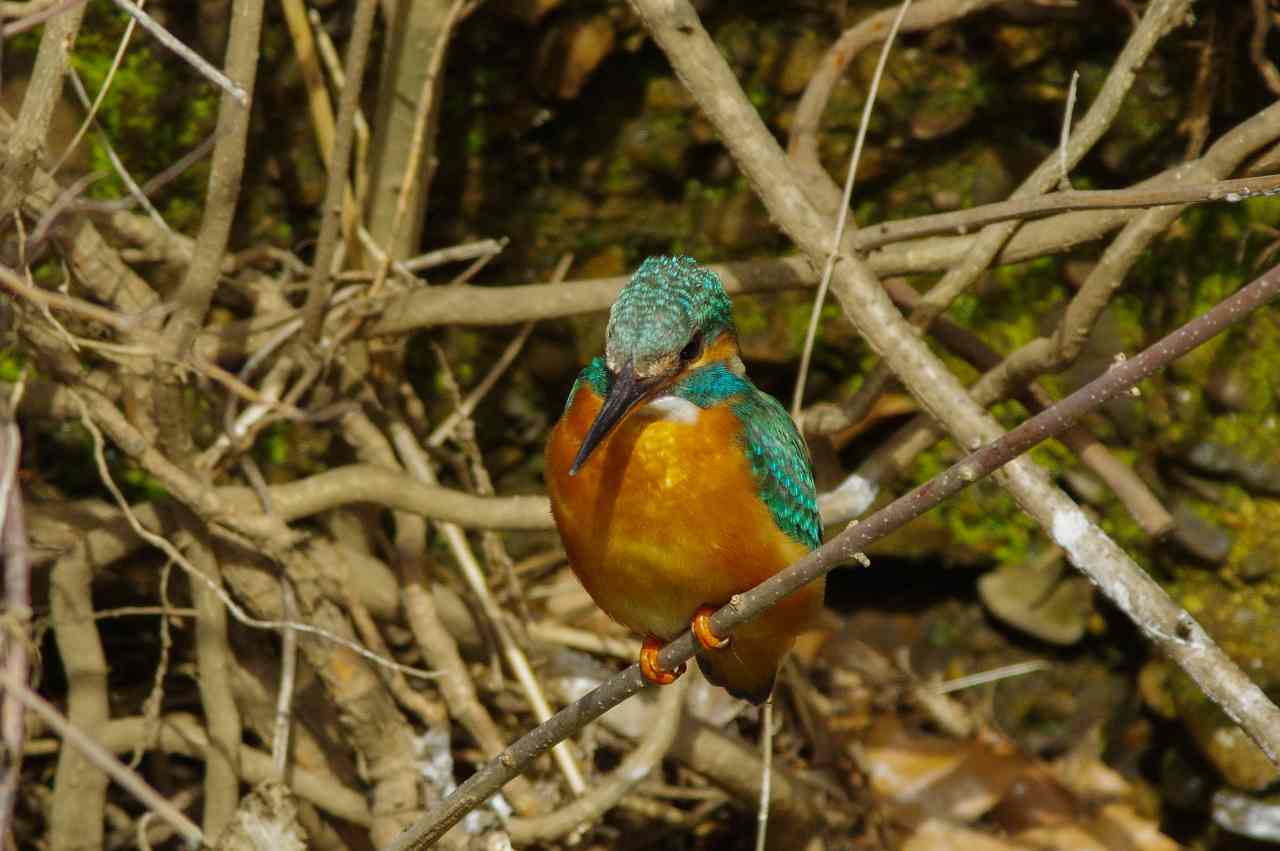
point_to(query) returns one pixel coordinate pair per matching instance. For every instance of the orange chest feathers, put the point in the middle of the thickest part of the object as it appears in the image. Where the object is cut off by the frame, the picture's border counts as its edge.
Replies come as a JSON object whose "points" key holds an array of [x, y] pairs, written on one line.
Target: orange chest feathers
{"points": [[664, 516]]}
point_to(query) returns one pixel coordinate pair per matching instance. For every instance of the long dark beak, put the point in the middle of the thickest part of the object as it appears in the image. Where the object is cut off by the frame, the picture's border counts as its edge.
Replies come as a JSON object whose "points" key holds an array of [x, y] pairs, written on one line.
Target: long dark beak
{"points": [[627, 392]]}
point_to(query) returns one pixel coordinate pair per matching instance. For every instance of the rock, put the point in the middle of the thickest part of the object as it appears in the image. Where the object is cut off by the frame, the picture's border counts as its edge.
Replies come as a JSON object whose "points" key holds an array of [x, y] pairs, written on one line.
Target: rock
{"points": [[1257, 565], [1034, 598], [1257, 475], [1199, 536], [1256, 818], [571, 52], [1228, 387]]}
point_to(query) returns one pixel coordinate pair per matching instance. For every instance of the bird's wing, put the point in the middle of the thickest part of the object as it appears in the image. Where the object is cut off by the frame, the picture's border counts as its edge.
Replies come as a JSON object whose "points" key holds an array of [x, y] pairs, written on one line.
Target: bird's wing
{"points": [[780, 463]]}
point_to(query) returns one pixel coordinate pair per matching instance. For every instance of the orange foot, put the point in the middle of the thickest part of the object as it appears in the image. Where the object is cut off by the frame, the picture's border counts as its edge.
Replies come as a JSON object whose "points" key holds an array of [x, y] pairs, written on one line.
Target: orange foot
{"points": [[649, 667], [702, 629]]}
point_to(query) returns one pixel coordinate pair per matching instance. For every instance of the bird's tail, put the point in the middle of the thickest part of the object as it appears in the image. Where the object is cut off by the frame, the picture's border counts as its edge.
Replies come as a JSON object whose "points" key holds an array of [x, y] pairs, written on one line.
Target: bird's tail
{"points": [[748, 666]]}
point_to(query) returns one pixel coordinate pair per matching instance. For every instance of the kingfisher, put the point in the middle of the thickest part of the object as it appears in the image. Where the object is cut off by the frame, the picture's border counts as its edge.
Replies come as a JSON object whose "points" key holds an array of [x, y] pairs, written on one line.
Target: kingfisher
{"points": [[676, 483]]}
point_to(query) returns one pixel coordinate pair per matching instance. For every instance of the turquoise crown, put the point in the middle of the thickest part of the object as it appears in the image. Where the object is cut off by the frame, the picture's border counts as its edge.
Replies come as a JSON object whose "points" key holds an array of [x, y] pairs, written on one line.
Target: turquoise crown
{"points": [[667, 301]]}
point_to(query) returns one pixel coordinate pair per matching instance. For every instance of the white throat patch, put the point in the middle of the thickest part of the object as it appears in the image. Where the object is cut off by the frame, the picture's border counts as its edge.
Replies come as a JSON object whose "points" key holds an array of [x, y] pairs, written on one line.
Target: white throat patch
{"points": [[672, 408]]}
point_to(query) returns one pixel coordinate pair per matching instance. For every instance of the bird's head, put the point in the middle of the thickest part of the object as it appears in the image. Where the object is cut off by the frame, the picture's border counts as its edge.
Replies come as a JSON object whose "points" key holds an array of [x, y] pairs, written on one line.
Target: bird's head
{"points": [[671, 318]]}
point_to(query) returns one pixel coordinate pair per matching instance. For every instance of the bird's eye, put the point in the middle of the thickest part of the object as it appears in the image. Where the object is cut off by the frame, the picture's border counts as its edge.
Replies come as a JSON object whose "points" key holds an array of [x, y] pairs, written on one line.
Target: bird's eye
{"points": [[692, 349]]}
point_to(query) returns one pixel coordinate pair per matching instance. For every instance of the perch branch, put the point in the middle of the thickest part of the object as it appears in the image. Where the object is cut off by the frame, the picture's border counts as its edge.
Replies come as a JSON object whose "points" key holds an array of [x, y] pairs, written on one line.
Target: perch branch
{"points": [[609, 790]]}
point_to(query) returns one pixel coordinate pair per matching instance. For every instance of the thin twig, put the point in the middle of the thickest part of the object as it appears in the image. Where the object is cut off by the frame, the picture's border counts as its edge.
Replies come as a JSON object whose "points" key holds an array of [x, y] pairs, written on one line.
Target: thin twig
{"points": [[766, 745], [468, 405], [1138, 197], [1064, 180], [194, 59], [338, 157], [103, 759], [171, 173], [330, 56], [154, 703], [811, 333], [32, 15], [993, 675], [89, 119], [15, 630], [232, 606], [131, 185], [456, 254], [284, 699]]}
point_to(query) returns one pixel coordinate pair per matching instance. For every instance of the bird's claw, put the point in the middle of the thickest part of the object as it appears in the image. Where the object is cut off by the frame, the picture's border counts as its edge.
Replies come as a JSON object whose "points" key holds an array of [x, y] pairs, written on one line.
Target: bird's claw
{"points": [[649, 667], [701, 627]]}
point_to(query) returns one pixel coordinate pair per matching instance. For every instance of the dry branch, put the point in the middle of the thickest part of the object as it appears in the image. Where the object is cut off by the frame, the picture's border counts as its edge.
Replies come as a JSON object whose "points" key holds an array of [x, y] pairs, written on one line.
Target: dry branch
{"points": [[1040, 355], [95, 754], [510, 305], [337, 194], [32, 125], [15, 630], [196, 291]]}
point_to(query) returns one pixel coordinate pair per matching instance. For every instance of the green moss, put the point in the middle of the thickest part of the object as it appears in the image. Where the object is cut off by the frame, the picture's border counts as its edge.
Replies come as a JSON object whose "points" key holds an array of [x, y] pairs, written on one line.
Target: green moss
{"points": [[12, 365]]}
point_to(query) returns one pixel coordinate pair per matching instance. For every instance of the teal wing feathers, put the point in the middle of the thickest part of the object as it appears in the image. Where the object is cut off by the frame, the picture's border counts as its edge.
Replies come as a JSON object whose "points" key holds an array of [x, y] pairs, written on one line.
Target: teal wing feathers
{"points": [[780, 463], [594, 375]]}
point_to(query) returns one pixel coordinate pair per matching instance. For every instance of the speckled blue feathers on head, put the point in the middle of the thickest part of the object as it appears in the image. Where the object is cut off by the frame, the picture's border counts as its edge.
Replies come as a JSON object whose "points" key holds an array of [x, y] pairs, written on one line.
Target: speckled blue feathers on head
{"points": [[665, 303]]}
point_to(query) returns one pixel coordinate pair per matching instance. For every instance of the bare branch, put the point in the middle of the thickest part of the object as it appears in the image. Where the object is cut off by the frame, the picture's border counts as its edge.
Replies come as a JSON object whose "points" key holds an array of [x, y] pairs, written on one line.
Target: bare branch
{"points": [[32, 125], [608, 791], [102, 759], [196, 291], [241, 90], [338, 159], [15, 635]]}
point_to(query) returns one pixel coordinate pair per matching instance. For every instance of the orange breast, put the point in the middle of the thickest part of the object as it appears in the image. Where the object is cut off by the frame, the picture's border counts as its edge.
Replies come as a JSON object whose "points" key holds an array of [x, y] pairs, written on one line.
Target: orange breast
{"points": [[664, 517]]}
